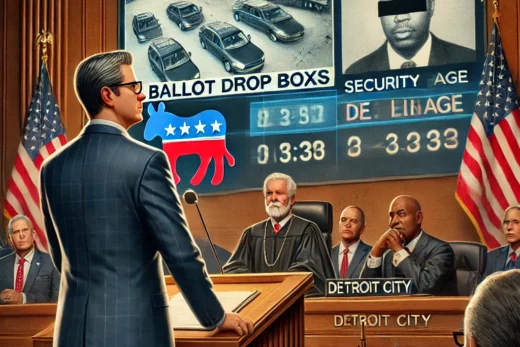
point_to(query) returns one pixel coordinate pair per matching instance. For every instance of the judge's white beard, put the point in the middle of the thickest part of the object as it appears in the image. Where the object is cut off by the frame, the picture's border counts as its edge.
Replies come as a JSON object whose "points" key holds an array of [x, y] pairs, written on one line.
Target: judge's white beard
{"points": [[277, 210]]}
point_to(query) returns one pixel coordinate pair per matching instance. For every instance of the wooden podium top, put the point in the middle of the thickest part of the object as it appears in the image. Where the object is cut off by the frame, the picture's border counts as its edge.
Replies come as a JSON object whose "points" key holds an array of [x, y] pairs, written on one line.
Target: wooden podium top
{"points": [[278, 291]]}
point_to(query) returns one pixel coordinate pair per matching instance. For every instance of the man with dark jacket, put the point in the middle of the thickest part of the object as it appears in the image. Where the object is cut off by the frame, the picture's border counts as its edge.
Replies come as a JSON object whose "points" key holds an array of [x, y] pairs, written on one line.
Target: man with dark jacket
{"points": [[405, 250]]}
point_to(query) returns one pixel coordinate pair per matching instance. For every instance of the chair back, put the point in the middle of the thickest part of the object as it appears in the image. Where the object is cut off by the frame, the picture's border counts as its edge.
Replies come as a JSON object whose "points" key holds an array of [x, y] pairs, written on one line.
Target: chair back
{"points": [[470, 263], [319, 212]]}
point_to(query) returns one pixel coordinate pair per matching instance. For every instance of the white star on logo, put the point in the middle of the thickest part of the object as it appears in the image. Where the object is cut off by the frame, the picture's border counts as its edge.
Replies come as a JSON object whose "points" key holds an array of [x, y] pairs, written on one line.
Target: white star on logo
{"points": [[170, 130], [200, 127], [185, 129], [216, 126]]}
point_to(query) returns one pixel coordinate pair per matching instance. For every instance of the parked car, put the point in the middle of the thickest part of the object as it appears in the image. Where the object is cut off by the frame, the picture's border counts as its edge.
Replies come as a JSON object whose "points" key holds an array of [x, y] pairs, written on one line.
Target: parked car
{"points": [[146, 27], [185, 14], [170, 61], [319, 5], [269, 18], [231, 46]]}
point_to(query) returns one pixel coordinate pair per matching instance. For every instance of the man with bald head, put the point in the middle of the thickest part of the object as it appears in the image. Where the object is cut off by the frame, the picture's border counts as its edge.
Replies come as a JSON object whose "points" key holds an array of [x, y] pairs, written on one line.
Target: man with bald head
{"points": [[349, 256], [405, 250]]}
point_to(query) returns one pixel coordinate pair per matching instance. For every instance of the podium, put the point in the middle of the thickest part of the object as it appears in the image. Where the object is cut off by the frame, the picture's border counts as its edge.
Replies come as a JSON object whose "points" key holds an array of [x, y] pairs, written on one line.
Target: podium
{"points": [[19, 323], [404, 321], [277, 312]]}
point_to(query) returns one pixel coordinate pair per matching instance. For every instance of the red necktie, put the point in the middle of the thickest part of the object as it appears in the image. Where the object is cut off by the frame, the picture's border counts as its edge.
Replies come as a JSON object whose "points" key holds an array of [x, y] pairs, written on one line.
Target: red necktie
{"points": [[344, 264], [19, 276], [277, 228], [513, 257]]}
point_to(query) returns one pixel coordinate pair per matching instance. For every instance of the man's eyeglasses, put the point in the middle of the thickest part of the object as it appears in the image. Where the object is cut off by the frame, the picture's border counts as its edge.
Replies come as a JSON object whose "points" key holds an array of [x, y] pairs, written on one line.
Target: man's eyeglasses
{"points": [[458, 336], [137, 86], [21, 231]]}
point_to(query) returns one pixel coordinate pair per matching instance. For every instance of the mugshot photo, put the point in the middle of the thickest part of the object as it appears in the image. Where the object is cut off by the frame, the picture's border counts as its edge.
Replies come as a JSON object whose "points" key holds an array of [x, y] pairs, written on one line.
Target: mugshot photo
{"points": [[380, 35]]}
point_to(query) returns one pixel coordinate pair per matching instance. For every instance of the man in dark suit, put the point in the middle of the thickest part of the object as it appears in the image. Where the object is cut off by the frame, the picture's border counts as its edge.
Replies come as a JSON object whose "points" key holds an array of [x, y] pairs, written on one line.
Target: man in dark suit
{"points": [[26, 275], [349, 256], [111, 209], [506, 257], [405, 250], [411, 44]]}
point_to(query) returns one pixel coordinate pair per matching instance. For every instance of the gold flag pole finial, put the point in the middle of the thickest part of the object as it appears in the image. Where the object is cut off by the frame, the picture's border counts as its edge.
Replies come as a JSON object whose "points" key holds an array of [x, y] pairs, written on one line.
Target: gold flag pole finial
{"points": [[496, 14], [44, 38]]}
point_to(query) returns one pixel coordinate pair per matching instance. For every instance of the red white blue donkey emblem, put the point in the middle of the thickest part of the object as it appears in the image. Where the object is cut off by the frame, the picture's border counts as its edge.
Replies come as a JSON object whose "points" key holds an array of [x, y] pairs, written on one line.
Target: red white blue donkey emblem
{"points": [[203, 134]]}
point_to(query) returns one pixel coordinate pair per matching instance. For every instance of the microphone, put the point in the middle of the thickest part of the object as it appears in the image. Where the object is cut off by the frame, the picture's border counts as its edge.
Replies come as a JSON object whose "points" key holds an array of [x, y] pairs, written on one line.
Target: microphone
{"points": [[363, 339], [191, 198]]}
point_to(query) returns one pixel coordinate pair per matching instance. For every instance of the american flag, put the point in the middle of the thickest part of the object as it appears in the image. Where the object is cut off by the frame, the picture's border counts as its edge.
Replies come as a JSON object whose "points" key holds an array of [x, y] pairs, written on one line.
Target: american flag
{"points": [[43, 134], [489, 177]]}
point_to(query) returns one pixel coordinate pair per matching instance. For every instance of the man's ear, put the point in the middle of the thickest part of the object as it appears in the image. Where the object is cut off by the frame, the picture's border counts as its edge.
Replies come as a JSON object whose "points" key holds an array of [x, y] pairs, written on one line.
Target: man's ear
{"points": [[293, 200], [10, 240], [107, 95], [472, 342], [418, 217]]}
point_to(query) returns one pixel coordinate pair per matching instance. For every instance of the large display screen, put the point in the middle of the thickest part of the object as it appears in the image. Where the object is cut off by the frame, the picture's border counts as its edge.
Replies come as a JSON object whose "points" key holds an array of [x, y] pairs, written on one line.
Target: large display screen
{"points": [[325, 91]]}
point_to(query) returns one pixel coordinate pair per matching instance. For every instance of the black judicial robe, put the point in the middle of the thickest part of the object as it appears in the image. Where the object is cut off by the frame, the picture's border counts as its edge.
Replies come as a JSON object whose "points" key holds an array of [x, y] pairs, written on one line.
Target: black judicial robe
{"points": [[297, 247]]}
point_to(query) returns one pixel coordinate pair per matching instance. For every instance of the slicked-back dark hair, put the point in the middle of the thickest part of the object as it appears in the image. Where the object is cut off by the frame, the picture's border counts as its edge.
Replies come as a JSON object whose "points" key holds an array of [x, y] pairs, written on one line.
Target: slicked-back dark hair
{"points": [[95, 72]]}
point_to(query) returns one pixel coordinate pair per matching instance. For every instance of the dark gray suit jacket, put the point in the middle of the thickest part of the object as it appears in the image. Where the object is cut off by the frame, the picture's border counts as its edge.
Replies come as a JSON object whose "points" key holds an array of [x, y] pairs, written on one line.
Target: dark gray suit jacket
{"points": [[496, 261], [442, 53], [43, 280], [356, 264], [431, 266], [111, 209]]}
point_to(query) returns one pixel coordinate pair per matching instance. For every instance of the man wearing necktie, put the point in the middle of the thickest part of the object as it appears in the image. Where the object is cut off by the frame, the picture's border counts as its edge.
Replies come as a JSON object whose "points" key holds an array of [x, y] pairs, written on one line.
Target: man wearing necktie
{"points": [[506, 257], [409, 42], [405, 250], [284, 242], [348, 256], [26, 275]]}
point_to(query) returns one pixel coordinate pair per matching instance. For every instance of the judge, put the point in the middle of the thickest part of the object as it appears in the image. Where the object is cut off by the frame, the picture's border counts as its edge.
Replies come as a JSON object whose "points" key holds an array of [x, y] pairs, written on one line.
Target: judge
{"points": [[283, 242]]}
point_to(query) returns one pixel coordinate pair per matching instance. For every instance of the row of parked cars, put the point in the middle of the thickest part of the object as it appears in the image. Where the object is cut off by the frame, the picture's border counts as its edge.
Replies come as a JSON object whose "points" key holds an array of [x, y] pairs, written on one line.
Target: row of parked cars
{"points": [[226, 42]]}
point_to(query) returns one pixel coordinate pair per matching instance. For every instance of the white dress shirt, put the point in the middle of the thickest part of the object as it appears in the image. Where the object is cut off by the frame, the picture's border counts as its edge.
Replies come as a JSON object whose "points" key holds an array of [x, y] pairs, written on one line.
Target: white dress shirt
{"points": [[107, 122], [26, 266], [351, 250], [282, 222], [420, 59], [510, 253]]}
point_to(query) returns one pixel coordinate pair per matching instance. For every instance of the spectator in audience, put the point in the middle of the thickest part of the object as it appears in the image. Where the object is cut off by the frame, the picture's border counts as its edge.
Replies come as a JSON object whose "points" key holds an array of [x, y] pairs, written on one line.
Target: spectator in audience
{"points": [[4, 246], [349, 256], [26, 275], [405, 250], [283, 242], [506, 257], [493, 314]]}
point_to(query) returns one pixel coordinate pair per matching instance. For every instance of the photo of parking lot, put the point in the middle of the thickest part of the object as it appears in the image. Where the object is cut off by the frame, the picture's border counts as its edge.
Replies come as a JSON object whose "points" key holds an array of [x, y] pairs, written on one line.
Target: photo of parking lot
{"points": [[184, 40]]}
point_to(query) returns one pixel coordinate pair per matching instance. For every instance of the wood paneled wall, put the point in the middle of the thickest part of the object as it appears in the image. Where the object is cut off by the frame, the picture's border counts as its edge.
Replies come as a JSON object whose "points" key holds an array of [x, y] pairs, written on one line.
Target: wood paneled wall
{"points": [[84, 27]]}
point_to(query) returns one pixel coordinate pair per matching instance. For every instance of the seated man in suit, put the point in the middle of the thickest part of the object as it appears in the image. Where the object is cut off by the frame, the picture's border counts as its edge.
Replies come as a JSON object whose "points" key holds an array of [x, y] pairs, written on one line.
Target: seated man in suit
{"points": [[349, 256], [27, 275], [410, 44], [4, 247], [283, 242], [493, 314], [506, 257], [405, 250]]}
